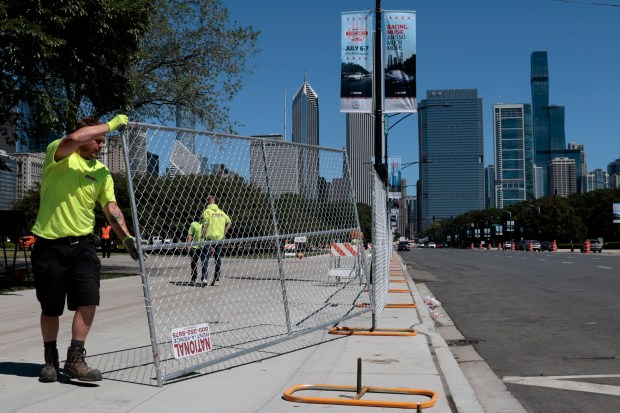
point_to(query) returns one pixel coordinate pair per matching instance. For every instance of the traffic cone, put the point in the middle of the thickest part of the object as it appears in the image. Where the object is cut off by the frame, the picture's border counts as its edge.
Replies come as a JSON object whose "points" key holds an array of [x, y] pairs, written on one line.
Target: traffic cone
{"points": [[586, 246], [471, 246], [512, 246], [499, 246], [554, 246], [529, 246], [489, 246]]}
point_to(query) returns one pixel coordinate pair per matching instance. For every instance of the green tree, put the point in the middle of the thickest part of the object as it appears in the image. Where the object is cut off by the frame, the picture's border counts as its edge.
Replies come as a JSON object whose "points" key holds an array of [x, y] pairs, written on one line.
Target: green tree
{"points": [[67, 59], [192, 58]]}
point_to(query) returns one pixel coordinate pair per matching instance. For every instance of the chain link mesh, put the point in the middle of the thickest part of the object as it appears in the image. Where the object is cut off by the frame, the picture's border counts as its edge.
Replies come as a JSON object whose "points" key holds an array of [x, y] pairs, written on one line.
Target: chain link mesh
{"points": [[288, 203], [381, 246]]}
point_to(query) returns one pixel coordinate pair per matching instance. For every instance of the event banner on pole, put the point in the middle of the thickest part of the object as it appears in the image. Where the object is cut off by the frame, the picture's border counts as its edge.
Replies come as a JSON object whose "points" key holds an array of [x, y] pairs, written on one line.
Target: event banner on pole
{"points": [[399, 61], [356, 63]]}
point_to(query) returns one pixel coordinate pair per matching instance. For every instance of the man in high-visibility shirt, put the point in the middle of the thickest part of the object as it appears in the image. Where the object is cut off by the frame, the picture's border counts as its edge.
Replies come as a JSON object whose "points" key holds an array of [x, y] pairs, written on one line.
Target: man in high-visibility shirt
{"points": [[106, 241], [194, 234], [64, 259], [215, 225]]}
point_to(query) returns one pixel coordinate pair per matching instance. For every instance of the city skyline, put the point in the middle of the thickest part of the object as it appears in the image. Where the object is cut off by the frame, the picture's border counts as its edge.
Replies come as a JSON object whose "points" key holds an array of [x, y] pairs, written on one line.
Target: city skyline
{"points": [[482, 44]]}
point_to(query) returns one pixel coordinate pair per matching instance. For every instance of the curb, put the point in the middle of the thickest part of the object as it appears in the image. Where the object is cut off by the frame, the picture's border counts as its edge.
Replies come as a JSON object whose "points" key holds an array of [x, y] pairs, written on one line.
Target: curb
{"points": [[460, 391]]}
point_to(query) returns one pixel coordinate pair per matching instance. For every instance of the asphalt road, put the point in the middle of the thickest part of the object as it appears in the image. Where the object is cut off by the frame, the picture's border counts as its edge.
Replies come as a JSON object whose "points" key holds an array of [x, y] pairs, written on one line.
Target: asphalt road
{"points": [[540, 317]]}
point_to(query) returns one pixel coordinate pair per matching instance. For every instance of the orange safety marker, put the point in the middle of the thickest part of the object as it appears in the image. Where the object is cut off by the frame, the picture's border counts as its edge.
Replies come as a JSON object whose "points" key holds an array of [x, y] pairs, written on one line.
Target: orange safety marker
{"points": [[554, 246], [529, 246], [359, 331], [395, 305], [499, 246], [586, 246], [391, 290], [398, 281], [360, 391]]}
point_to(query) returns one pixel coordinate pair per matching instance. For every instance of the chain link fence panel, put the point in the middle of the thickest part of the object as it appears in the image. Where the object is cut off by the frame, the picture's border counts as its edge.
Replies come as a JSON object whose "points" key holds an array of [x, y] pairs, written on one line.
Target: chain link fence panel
{"points": [[288, 204], [381, 247]]}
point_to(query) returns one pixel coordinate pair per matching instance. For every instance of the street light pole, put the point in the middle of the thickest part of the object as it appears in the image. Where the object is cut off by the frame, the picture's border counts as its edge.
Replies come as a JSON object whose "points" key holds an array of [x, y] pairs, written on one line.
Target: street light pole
{"points": [[380, 164]]}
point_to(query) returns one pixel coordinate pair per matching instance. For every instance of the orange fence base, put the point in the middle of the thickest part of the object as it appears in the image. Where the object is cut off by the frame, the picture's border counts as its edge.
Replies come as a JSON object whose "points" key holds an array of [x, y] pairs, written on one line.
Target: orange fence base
{"points": [[352, 331], [357, 401]]}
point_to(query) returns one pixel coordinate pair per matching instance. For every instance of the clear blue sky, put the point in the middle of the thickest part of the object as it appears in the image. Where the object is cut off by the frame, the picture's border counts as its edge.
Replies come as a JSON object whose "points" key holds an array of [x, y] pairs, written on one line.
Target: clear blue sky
{"points": [[476, 44]]}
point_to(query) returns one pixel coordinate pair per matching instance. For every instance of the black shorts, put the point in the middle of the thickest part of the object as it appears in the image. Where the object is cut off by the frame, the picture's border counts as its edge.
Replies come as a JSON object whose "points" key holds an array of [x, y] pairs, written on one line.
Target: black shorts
{"points": [[66, 268]]}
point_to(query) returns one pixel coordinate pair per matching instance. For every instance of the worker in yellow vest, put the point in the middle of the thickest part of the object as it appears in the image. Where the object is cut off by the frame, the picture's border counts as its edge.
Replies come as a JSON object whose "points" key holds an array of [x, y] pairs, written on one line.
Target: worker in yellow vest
{"points": [[215, 225], [194, 234]]}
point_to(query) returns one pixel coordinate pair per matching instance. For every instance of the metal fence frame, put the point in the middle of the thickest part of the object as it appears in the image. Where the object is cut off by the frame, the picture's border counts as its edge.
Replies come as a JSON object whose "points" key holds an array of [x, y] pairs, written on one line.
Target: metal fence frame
{"points": [[326, 302]]}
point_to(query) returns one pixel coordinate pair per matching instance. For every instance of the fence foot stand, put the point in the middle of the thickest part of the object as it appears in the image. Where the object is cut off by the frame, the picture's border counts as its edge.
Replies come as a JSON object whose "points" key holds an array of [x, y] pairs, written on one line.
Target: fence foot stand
{"points": [[361, 391]]}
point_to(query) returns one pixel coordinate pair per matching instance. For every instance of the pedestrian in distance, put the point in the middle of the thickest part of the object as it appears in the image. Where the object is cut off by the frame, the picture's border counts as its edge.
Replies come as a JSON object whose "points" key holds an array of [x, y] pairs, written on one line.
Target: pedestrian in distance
{"points": [[64, 258], [194, 234], [106, 240], [215, 225]]}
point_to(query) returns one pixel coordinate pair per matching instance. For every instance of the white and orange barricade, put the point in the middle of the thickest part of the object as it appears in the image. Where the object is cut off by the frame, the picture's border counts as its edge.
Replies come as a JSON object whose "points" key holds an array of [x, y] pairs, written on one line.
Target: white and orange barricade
{"points": [[344, 260], [289, 250]]}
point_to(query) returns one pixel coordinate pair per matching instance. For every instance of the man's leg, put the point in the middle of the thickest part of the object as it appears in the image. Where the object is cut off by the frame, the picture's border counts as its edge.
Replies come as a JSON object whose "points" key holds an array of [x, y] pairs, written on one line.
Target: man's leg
{"points": [[195, 254], [49, 331], [76, 366], [204, 255], [217, 251]]}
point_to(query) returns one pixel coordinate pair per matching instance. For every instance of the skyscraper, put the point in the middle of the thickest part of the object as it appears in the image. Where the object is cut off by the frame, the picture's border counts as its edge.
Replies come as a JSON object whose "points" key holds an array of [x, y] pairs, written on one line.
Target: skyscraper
{"points": [[306, 131], [451, 154], [562, 173], [572, 146], [513, 146], [548, 120], [360, 151]]}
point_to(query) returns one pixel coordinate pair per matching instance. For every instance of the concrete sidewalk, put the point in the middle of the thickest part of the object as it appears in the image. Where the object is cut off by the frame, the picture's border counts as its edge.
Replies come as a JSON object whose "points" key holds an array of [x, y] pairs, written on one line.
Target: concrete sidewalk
{"points": [[423, 361]]}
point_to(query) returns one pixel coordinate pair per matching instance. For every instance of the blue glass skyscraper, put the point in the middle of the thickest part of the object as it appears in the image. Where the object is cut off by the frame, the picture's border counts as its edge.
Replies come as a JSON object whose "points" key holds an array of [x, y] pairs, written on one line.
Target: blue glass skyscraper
{"points": [[514, 163], [451, 154]]}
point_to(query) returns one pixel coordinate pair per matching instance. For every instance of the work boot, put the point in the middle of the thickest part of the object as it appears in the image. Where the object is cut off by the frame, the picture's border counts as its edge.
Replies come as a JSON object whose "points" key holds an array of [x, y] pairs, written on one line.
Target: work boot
{"points": [[76, 367], [49, 374]]}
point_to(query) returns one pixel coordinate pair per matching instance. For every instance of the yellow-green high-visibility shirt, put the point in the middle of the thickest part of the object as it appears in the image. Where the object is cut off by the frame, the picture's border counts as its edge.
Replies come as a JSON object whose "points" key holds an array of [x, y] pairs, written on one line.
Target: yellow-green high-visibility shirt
{"points": [[195, 231], [69, 190], [214, 220]]}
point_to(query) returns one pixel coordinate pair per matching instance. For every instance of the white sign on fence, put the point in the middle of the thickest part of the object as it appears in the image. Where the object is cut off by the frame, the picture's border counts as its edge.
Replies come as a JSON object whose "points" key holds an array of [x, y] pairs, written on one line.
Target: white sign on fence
{"points": [[192, 340]]}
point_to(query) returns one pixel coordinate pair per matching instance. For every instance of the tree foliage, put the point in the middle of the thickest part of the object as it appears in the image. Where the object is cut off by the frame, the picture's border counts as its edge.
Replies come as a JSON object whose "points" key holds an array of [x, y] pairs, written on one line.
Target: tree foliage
{"points": [[66, 59], [63, 60], [192, 58], [571, 219]]}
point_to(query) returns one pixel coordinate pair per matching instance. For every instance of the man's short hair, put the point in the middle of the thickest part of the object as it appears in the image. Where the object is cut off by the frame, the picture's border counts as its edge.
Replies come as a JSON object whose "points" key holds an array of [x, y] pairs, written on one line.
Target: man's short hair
{"points": [[89, 121]]}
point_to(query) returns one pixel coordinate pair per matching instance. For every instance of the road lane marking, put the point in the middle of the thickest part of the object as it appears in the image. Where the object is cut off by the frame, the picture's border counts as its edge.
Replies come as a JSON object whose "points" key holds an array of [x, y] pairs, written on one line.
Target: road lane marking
{"points": [[562, 382], [602, 266], [566, 262]]}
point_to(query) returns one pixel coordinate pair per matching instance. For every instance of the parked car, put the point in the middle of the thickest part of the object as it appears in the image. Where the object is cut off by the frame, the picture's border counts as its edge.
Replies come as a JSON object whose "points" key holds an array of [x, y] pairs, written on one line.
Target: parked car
{"points": [[431, 245], [27, 242], [595, 245], [546, 246], [523, 245], [508, 245], [403, 246]]}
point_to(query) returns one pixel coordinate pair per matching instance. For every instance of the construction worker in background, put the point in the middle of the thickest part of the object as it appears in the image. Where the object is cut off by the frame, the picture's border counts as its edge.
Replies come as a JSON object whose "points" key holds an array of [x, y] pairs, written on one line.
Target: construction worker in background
{"points": [[215, 225], [106, 241], [194, 234]]}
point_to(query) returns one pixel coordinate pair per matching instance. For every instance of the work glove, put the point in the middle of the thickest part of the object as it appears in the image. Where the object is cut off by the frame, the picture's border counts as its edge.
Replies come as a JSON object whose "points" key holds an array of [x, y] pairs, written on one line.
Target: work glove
{"points": [[117, 122], [130, 247]]}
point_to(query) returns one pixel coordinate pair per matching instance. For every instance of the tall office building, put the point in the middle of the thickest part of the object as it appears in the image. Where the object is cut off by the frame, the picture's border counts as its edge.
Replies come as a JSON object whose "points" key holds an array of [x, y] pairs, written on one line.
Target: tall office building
{"points": [[572, 146], [360, 151], [285, 178], [29, 171], [513, 146], [597, 179], [185, 119], [490, 190], [613, 170], [451, 154], [8, 181], [306, 131], [547, 121], [562, 176]]}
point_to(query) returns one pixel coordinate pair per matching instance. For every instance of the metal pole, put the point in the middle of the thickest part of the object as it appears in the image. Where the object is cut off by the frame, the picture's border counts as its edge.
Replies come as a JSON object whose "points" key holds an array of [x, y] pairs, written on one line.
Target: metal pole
{"points": [[380, 164]]}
